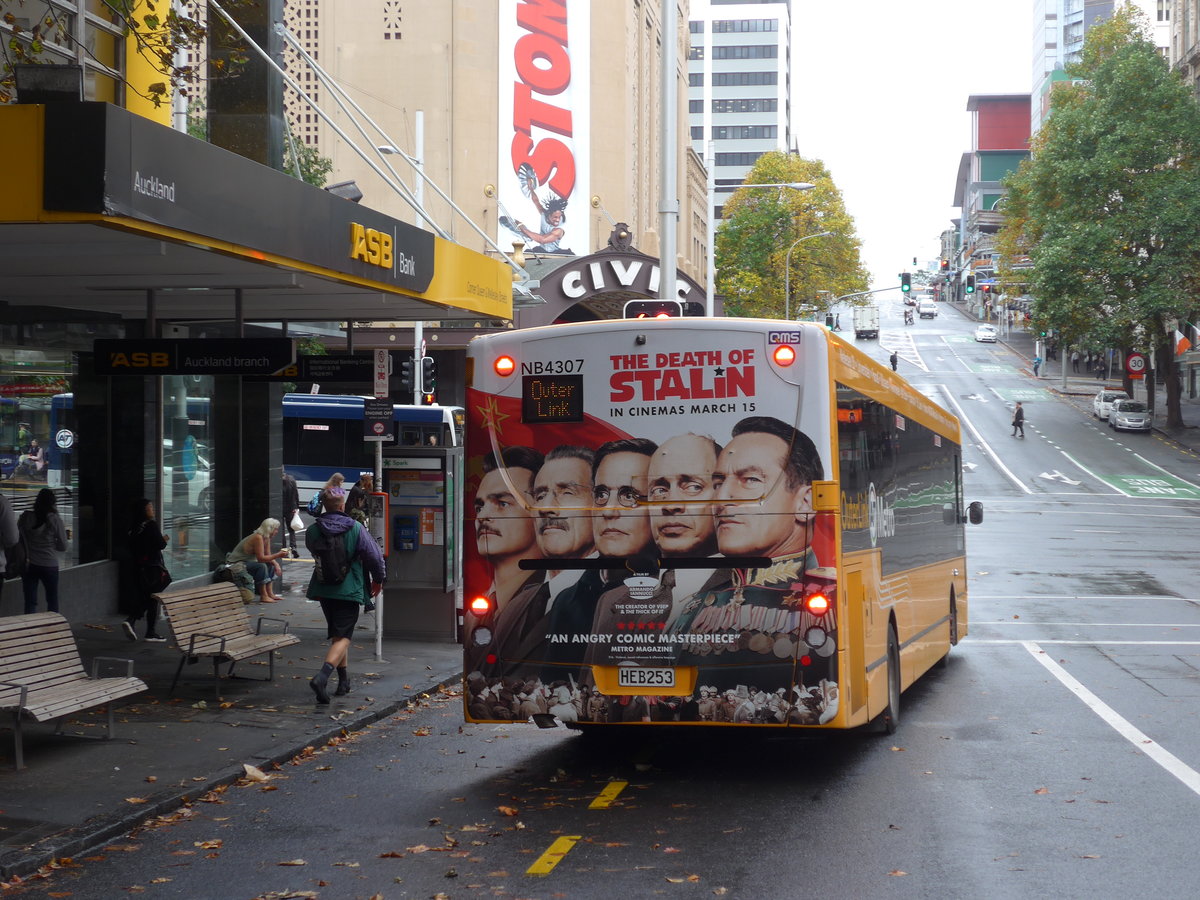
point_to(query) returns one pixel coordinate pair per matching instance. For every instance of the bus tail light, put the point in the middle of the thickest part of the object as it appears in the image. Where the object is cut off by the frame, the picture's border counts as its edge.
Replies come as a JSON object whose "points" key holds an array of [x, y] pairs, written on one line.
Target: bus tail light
{"points": [[505, 366], [784, 355], [816, 604], [480, 607]]}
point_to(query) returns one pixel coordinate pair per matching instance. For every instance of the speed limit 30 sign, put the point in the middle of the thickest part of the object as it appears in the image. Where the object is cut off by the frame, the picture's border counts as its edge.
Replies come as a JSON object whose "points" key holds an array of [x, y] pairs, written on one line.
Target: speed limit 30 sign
{"points": [[1135, 365]]}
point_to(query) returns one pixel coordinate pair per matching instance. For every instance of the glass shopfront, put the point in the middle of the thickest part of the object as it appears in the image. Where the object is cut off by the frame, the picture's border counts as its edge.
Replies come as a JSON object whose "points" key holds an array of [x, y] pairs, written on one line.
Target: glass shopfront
{"points": [[188, 473], [40, 439]]}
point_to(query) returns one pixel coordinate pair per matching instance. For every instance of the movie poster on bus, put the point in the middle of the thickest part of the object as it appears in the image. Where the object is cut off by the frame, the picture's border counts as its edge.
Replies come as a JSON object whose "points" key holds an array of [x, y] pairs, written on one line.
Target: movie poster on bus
{"points": [[640, 478]]}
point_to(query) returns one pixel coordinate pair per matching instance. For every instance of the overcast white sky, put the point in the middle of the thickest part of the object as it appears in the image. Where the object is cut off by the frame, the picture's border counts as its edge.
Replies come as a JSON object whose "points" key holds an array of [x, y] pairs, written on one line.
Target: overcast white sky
{"points": [[880, 92]]}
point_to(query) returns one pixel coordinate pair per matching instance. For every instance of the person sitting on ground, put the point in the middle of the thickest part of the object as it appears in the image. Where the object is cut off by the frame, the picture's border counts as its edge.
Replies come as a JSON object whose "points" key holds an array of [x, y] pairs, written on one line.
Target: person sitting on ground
{"points": [[254, 551]]}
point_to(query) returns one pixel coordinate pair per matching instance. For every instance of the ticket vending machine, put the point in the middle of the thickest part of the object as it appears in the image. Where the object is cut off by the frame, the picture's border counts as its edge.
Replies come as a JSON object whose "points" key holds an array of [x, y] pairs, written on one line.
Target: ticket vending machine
{"points": [[424, 534]]}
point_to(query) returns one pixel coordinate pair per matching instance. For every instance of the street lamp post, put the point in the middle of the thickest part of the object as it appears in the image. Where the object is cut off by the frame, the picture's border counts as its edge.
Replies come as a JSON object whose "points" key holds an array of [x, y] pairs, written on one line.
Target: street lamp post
{"points": [[787, 272], [712, 227]]}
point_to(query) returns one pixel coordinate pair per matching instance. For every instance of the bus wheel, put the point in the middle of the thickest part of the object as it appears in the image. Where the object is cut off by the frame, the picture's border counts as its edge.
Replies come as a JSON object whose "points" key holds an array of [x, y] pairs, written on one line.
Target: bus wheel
{"points": [[945, 660], [889, 719]]}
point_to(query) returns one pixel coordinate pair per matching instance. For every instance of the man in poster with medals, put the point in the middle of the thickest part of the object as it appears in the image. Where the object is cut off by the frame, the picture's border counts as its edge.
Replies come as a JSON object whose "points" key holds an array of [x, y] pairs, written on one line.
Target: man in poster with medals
{"points": [[763, 507]]}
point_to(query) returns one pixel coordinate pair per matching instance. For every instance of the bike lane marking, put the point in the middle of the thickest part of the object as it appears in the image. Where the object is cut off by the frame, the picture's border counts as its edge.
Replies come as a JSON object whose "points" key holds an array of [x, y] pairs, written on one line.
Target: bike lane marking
{"points": [[1167, 487]]}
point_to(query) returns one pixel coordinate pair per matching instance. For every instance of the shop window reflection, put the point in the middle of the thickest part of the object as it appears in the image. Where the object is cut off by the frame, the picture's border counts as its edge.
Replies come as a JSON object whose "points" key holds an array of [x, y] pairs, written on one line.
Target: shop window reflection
{"points": [[188, 474]]}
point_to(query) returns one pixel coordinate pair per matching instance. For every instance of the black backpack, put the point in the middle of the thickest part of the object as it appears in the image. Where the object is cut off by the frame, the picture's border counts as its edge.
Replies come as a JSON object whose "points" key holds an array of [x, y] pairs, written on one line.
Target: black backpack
{"points": [[334, 555]]}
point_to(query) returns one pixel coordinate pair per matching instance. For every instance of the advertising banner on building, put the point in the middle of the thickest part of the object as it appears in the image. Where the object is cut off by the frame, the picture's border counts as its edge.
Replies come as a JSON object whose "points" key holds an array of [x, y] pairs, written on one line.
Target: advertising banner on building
{"points": [[544, 119]]}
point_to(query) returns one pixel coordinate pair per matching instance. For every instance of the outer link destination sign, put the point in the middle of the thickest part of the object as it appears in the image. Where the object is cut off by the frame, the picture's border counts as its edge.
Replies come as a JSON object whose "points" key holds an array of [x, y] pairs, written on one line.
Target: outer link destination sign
{"points": [[552, 398]]}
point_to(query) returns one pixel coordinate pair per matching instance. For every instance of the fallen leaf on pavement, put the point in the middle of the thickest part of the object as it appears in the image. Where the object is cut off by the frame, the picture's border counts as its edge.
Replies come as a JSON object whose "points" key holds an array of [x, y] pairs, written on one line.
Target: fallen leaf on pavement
{"points": [[897, 872], [507, 810], [292, 862], [135, 800], [1042, 790], [254, 773]]}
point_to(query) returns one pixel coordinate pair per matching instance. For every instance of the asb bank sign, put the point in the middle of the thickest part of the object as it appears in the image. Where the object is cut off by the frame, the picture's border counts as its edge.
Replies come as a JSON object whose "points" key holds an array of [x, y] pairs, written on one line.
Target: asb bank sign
{"points": [[544, 116]]}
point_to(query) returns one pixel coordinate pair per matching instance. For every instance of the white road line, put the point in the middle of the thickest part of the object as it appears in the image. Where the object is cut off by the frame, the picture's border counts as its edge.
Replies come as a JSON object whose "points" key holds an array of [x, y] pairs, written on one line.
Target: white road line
{"points": [[1171, 763], [962, 417], [1084, 468]]}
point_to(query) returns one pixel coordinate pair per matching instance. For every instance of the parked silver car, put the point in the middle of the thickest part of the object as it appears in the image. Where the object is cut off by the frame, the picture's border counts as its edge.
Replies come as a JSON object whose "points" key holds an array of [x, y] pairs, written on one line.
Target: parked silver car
{"points": [[1129, 415], [1104, 400]]}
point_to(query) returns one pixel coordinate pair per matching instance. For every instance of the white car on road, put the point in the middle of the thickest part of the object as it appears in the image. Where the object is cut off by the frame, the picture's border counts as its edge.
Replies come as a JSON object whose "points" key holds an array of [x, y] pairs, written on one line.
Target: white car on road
{"points": [[986, 333]]}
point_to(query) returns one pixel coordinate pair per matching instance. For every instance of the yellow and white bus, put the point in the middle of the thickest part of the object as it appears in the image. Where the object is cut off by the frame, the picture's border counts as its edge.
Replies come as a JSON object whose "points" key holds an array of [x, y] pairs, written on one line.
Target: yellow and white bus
{"points": [[709, 521]]}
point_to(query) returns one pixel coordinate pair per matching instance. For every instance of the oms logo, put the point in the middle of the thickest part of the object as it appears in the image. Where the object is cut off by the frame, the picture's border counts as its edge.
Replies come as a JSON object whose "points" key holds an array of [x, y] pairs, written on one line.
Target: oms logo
{"points": [[371, 246]]}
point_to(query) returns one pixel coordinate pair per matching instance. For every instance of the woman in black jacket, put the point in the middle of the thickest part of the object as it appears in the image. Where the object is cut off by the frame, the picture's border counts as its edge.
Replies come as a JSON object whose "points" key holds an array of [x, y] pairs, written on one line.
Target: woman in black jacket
{"points": [[146, 544]]}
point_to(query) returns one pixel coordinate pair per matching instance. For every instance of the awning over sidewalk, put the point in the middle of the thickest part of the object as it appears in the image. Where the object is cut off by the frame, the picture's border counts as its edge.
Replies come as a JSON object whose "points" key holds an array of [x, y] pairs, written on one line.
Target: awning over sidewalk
{"points": [[102, 206]]}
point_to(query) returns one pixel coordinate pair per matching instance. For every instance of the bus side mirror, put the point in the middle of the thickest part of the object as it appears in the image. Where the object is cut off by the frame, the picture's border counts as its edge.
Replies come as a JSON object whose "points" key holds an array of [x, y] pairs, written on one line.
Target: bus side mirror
{"points": [[975, 512]]}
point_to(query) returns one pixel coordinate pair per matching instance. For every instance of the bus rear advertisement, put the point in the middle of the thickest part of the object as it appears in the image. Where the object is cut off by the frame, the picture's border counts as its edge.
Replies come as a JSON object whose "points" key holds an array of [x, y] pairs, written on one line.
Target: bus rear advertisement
{"points": [[710, 521]]}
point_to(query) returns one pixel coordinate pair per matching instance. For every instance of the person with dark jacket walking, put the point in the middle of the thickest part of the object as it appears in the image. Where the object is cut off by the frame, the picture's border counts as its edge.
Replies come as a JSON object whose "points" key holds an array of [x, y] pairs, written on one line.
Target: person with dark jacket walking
{"points": [[341, 601], [146, 542], [893, 359], [291, 507], [1018, 422]]}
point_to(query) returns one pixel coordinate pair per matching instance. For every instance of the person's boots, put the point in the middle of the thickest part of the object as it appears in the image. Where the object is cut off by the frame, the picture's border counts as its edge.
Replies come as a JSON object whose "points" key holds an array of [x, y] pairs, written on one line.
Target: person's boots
{"points": [[343, 685], [320, 681]]}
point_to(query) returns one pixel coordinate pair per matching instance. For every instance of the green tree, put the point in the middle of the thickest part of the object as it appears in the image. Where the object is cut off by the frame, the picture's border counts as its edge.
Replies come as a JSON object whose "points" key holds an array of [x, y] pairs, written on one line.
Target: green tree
{"points": [[159, 29], [313, 167], [758, 227], [1108, 207]]}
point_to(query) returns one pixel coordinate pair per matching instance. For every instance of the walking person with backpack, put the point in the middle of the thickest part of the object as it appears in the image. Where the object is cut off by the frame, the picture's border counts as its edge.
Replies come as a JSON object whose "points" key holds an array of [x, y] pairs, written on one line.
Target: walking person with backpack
{"points": [[346, 560]]}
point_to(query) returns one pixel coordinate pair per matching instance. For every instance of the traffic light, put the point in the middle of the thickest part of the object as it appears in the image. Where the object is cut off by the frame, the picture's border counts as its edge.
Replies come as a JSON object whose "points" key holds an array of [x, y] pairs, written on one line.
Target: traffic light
{"points": [[970, 284], [406, 375], [945, 265], [428, 374], [905, 282], [653, 309], [987, 288]]}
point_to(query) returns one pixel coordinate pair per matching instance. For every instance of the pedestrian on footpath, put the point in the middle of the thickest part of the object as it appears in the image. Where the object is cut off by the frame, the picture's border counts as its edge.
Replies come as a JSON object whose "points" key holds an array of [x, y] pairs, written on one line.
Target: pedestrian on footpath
{"points": [[8, 531], [1037, 364], [346, 559], [893, 359], [1018, 422], [291, 509], [254, 552], [45, 538], [146, 542], [1074, 360]]}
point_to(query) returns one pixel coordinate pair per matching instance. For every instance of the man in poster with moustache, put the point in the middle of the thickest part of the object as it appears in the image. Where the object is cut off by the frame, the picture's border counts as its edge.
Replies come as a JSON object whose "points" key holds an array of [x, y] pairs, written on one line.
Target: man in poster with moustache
{"points": [[504, 528], [762, 507], [561, 495]]}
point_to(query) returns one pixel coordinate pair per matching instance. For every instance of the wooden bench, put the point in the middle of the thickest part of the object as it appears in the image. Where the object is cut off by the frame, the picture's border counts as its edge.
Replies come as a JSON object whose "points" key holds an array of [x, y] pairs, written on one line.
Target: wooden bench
{"points": [[211, 621], [42, 676]]}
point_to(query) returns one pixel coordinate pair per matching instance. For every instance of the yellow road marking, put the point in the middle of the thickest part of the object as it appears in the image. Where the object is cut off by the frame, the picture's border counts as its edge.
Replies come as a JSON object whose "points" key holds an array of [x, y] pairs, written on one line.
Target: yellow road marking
{"points": [[606, 797], [545, 863]]}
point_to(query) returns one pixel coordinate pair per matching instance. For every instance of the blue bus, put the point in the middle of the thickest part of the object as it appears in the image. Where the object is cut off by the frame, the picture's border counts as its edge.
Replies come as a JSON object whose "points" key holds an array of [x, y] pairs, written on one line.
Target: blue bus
{"points": [[323, 434]]}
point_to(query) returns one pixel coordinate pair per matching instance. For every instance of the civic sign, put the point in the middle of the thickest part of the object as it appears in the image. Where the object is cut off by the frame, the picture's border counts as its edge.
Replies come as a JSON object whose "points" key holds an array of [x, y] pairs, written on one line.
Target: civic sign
{"points": [[378, 420], [1135, 365]]}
